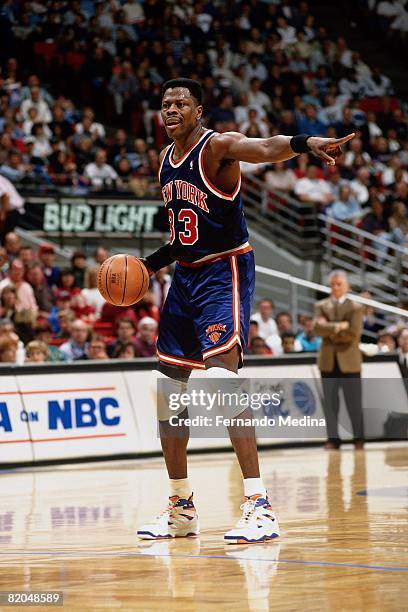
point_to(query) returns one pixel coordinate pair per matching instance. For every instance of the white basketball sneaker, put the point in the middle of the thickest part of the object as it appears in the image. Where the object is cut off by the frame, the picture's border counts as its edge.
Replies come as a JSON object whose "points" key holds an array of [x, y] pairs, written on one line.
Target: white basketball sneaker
{"points": [[258, 523], [178, 520]]}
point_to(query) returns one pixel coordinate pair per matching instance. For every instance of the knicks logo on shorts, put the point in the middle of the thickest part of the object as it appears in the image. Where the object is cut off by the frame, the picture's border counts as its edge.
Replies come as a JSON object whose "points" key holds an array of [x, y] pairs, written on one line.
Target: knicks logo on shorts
{"points": [[214, 331]]}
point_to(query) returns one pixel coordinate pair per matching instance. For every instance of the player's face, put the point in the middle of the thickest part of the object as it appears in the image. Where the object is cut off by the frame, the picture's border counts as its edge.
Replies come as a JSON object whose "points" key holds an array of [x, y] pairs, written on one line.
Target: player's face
{"points": [[180, 112]]}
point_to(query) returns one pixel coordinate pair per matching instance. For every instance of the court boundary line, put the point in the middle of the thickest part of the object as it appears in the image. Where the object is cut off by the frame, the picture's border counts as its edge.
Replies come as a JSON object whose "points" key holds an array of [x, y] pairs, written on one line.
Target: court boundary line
{"points": [[388, 568]]}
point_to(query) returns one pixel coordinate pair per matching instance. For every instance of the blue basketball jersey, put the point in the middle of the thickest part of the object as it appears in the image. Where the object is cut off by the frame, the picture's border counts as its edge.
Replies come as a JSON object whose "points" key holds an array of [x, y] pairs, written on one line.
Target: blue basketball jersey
{"points": [[203, 220]]}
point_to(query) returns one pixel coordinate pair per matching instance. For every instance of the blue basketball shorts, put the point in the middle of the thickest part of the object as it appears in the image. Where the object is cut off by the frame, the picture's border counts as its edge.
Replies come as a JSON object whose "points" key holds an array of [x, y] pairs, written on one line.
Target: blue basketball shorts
{"points": [[207, 310]]}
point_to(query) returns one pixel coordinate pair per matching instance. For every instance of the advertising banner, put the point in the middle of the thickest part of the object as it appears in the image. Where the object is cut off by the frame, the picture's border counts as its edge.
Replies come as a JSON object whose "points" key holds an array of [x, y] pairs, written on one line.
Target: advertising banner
{"points": [[78, 415], [15, 442], [86, 412], [85, 215]]}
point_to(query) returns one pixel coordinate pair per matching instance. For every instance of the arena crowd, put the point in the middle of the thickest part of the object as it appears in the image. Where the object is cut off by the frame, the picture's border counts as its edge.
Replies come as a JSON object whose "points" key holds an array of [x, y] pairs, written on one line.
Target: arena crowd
{"points": [[76, 70], [49, 313], [80, 113]]}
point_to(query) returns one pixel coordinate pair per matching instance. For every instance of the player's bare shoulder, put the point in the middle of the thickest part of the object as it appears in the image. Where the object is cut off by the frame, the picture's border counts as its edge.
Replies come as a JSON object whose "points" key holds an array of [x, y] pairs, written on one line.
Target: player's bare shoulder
{"points": [[163, 153], [220, 145]]}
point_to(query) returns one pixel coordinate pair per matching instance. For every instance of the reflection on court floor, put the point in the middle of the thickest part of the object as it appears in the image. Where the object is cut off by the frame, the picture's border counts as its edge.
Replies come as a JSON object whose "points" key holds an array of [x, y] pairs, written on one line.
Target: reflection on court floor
{"points": [[343, 516]]}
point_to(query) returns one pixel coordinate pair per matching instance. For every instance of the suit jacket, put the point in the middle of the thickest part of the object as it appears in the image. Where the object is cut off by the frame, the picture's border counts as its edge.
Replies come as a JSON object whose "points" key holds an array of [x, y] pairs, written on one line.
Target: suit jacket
{"points": [[403, 364], [342, 344]]}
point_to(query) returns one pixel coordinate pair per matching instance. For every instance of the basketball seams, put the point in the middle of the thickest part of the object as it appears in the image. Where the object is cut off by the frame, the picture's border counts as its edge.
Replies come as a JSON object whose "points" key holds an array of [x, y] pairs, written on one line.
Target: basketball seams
{"points": [[124, 282], [106, 280]]}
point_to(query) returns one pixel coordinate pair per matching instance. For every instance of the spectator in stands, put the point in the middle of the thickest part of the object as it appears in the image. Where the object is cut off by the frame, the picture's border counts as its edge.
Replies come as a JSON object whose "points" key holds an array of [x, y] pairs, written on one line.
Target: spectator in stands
{"points": [[359, 186], [253, 332], [264, 318], [8, 301], [256, 97], [280, 177], [78, 266], [385, 341], [345, 208], [11, 207], [375, 223], [67, 283], [12, 244], [160, 285], [52, 273], [8, 349], [356, 154], [97, 349], [13, 168], [36, 101], [134, 12], [339, 322], [254, 121], [26, 254], [307, 338], [377, 85], [76, 347], [42, 148], [42, 292], [312, 189], [146, 337], [66, 318], [43, 334], [258, 346], [3, 263], [101, 254], [25, 295], [99, 172], [372, 321], [125, 351], [126, 331], [284, 324], [403, 352], [310, 124], [91, 293], [398, 223], [36, 352], [88, 125], [288, 342]]}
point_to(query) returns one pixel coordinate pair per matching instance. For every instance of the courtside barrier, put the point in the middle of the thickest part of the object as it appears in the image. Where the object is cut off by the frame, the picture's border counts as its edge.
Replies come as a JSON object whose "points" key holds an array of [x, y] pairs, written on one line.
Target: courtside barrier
{"points": [[89, 410]]}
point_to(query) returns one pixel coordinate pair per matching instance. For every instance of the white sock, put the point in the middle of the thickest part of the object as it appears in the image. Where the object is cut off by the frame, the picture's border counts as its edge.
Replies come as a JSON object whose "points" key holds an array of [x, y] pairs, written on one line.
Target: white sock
{"points": [[254, 486], [180, 487]]}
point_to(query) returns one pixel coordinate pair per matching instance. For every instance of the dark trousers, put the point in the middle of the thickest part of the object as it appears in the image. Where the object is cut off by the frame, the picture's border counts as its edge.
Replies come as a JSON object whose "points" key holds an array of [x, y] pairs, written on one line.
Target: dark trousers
{"points": [[332, 382]]}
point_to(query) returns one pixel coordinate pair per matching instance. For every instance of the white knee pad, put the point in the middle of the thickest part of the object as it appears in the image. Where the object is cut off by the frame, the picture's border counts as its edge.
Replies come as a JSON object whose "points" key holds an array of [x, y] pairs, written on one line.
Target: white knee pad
{"points": [[166, 394], [222, 391]]}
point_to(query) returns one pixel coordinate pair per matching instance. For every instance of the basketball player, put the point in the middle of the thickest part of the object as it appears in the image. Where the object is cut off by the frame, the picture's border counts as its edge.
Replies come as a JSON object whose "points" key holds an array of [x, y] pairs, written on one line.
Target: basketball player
{"points": [[205, 319]]}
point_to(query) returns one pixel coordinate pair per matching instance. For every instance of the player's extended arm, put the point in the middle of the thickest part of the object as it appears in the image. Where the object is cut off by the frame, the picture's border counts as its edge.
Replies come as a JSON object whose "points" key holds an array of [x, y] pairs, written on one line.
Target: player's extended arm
{"points": [[233, 145]]}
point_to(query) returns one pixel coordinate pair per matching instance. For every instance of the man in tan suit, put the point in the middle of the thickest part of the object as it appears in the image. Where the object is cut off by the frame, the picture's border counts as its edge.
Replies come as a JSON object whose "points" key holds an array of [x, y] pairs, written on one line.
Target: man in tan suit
{"points": [[339, 322]]}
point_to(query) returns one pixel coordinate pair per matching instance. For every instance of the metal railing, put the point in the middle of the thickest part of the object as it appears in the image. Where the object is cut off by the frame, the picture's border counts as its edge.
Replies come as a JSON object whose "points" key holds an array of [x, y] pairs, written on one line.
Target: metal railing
{"points": [[373, 262], [299, 296], [291, 224]]}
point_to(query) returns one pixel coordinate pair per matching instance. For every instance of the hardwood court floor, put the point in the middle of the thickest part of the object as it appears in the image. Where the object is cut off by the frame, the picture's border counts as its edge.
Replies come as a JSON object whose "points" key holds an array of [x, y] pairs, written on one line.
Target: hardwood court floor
{"points": [[344, 544]]}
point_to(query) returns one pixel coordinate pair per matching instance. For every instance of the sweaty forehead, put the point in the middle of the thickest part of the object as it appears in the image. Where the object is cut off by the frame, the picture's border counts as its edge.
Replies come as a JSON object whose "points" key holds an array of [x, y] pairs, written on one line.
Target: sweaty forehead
{"points": [[177, 93]]}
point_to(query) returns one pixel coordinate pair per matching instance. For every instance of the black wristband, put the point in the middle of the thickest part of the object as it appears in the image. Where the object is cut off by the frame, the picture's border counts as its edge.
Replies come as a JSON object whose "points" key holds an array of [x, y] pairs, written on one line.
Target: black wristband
{"points": [[160, 258], [299, 144]]}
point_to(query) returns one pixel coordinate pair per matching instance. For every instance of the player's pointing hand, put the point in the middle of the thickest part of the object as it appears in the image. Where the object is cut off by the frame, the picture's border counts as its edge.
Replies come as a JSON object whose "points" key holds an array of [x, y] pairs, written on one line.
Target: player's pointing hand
{"points": [[327, 148]]}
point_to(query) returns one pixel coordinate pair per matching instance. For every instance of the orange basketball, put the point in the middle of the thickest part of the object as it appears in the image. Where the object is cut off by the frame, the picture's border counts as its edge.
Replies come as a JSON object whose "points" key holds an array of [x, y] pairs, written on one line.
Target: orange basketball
{"points": [[123, 280]]}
